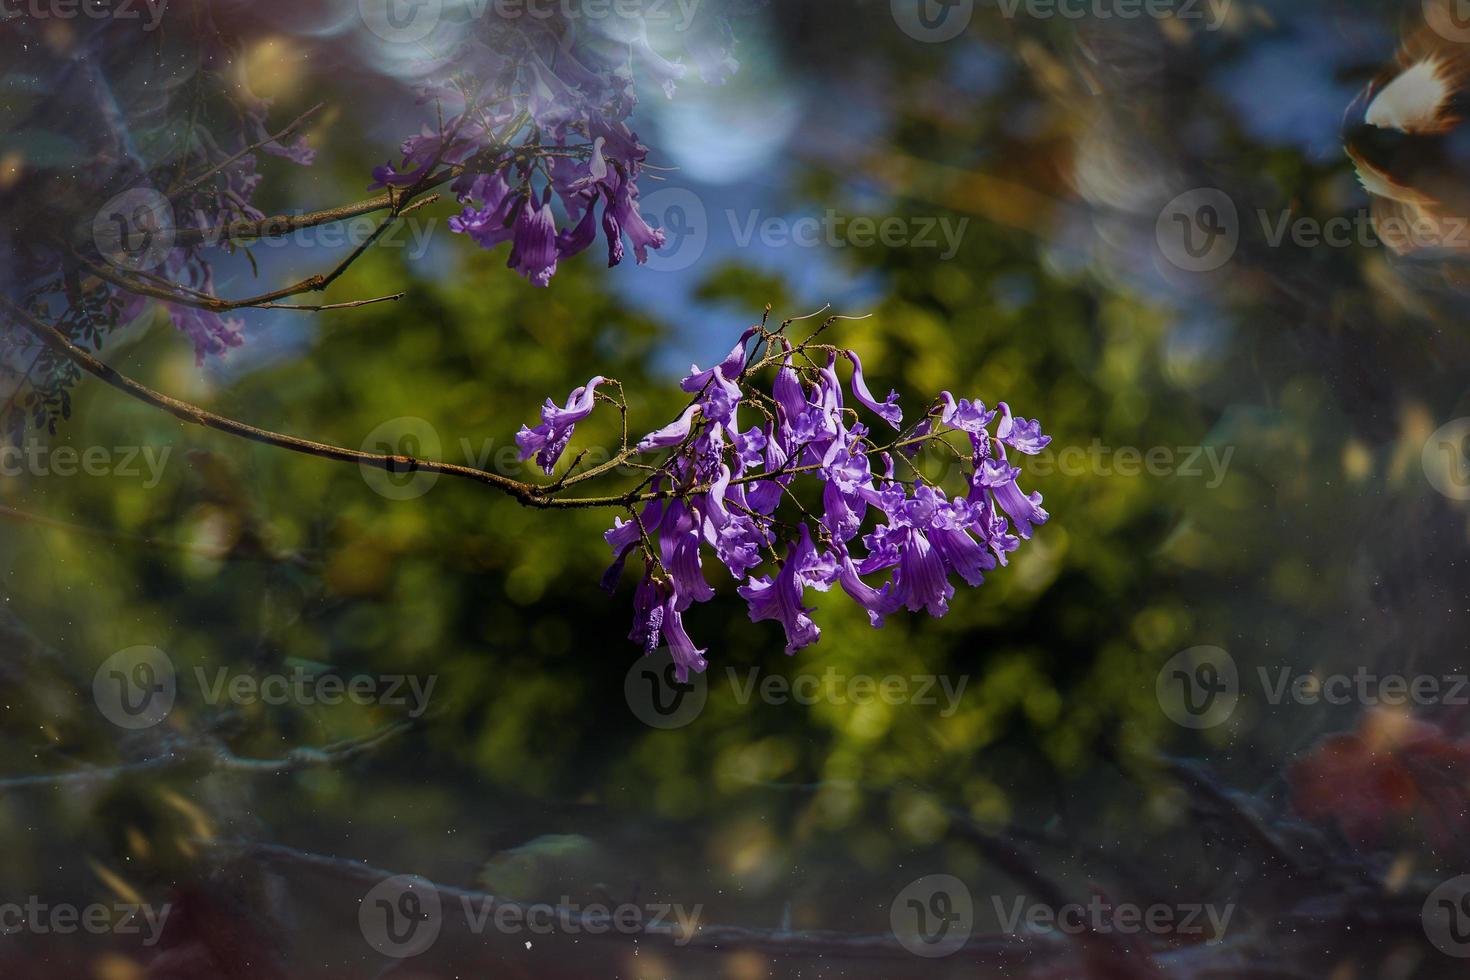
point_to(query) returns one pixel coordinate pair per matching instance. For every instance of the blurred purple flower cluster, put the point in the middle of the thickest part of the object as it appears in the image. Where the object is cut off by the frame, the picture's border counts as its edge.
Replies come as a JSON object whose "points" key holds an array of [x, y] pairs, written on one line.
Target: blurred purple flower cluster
{"points": [[135, 153], [722, 485], [163, 140], [537, 112]]}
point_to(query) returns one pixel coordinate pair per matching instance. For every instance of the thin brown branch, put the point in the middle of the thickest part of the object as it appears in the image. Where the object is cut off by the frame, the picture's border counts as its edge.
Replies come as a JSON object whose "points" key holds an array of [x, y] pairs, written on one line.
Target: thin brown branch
{"points": [[290, 128]]}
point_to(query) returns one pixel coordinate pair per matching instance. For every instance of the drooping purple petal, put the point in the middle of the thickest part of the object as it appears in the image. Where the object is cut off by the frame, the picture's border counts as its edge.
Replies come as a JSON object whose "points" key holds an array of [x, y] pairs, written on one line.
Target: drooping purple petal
{"points": [[533, 252], [887, 409], [672, 434]]}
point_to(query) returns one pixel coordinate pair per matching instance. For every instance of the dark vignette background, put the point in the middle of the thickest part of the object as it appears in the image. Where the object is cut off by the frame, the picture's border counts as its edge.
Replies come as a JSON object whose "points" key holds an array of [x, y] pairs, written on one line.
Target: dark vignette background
{"points": [[1324, 548]]}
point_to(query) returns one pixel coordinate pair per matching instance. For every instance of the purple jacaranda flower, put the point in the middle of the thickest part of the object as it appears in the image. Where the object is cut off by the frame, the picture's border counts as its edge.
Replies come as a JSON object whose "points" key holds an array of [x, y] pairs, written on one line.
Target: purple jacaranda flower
{"points": [[878, 602], [623, 217], [814, 430], [710, 41], [999, 477], [842, 513], [580, 237], [687, 657], [887, 409], [672, 434], [388, 175], [738, 544], [921, 581], [960, 552], [533, 252], [781, 598], [678, 540], [790, 398], [849, 477], [1023, 435], [620, 143], [733, 533], [750, 447], [764, 495], [722, 487], [719, 388], [964, 414], [715, 509], [649, 613], [492, 221], [210, 333], [548, 440], [623, 536], [551, 102]]}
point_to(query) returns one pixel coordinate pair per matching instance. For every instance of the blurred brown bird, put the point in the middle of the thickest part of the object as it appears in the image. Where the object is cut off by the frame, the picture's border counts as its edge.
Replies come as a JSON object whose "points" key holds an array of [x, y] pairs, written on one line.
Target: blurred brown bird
{"points": [[1406, 136]]}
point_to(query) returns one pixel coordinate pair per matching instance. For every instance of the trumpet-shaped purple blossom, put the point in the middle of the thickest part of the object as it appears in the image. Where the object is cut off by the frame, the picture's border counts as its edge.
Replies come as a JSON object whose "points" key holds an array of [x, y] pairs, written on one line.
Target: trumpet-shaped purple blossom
{"points": [[548, 440], [721, 490]]}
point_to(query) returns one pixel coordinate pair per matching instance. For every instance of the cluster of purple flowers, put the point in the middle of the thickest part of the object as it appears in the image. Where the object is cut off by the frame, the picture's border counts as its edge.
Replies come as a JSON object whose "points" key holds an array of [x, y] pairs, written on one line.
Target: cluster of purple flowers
{"points": [[721, 488], [532, 114], [539, 114], [101, 94]]}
